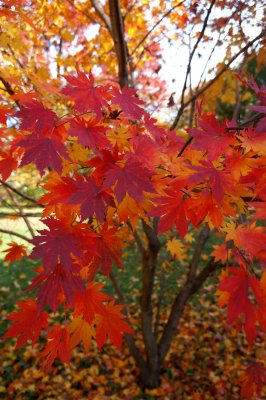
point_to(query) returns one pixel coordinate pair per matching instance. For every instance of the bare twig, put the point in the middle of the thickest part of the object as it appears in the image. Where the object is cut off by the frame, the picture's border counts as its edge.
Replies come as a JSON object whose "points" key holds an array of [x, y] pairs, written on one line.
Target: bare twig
{"points": [[155, 26], [137, 238], [24, 196], [210, 83], [14, 215], [202, 239], [189, 288], [133, 349], [160, 301], [119, 292], [103, 16], [194, 50], [13, 233], [21, 213], [9, 89]]}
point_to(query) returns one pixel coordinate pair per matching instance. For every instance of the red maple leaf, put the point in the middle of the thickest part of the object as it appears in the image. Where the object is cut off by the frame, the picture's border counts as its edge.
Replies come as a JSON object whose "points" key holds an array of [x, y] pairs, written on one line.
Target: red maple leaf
{"points": [[90, 302], [92, 198], [103, 162], [253, 379], [219, 181], [260, 208], [35, 117], [211, 137], [109, 248], [171, 209], [131, 178], [4, 111], [252, 239], [86, 96], [156, 132], [89, 133], [205, 204], [27, 323], [43, 151], [58, 243], [58, 346], [14, 252], [112, 324], [53, 285], [238, 286], [128, 102], [8, 164], [81, 191]]}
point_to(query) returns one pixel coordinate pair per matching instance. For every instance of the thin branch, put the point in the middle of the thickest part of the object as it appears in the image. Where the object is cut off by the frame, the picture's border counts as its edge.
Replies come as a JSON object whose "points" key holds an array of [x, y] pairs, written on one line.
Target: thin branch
{"points": [[14, 215], [9, 89], [133, 349], [194, 50], [185, 146], [21, 213], [103, 16], [117, 28], [119, 292], [229, 128], [203, 237], [155, 26], [160, 301], [254, 118], [189, 288], [137, 238], [13, 233], [210, 83], [24, 196]]}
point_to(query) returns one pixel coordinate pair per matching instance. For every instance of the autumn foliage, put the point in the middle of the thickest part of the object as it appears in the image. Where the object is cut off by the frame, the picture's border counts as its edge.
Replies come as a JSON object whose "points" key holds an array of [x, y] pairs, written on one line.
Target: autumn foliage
{"points": [[112, 174]]}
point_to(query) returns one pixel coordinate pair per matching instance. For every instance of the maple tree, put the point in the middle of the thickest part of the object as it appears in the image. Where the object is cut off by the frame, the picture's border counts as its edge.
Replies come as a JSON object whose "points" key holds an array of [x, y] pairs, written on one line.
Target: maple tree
{"points": [[111, 175]]}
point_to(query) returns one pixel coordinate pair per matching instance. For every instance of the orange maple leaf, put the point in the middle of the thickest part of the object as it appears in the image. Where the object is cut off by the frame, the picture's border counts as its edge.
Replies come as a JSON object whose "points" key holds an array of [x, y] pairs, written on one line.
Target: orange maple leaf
{"points": [[14, 252], [81, 332]]}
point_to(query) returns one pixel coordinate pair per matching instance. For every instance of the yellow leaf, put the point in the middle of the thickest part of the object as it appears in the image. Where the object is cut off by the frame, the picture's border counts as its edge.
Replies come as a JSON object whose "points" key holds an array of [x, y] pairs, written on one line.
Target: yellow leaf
{"points": [[177, 249]]}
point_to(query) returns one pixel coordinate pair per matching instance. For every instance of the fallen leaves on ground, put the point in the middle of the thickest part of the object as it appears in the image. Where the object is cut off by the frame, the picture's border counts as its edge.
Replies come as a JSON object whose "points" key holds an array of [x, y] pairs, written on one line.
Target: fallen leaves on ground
{"points": [[205, 362]]}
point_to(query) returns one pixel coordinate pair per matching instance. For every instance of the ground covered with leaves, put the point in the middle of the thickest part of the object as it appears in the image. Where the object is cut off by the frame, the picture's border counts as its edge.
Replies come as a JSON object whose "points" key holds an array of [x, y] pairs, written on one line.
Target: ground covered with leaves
{"points": [[205, 362]]}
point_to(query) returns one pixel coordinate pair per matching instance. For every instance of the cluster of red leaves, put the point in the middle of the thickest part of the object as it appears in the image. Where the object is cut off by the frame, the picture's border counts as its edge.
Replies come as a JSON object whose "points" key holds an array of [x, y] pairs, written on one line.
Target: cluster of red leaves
{"points": [[110, 162]]}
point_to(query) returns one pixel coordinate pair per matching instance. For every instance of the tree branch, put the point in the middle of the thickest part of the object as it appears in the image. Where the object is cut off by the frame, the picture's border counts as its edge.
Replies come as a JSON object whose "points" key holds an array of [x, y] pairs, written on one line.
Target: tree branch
{"points": [[133, 349], [103, 16], [117, 28], [13, 233], [203, 237], [9, 89], [149, 264], [194, 50], [24, 196], [13, 215], [154, 26], [160, 301], [119, 292], [210, 83], [137, 238], [190, 287], [21, 213]]}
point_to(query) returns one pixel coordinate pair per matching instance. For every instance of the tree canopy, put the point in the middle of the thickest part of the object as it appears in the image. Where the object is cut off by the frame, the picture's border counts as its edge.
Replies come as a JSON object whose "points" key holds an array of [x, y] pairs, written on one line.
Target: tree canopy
{"points": [[81, 82]]}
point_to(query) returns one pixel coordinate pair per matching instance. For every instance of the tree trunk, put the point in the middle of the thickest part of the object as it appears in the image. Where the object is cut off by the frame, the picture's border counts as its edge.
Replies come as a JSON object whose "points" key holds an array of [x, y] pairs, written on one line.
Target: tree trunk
{"points": [[150, 377]]}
